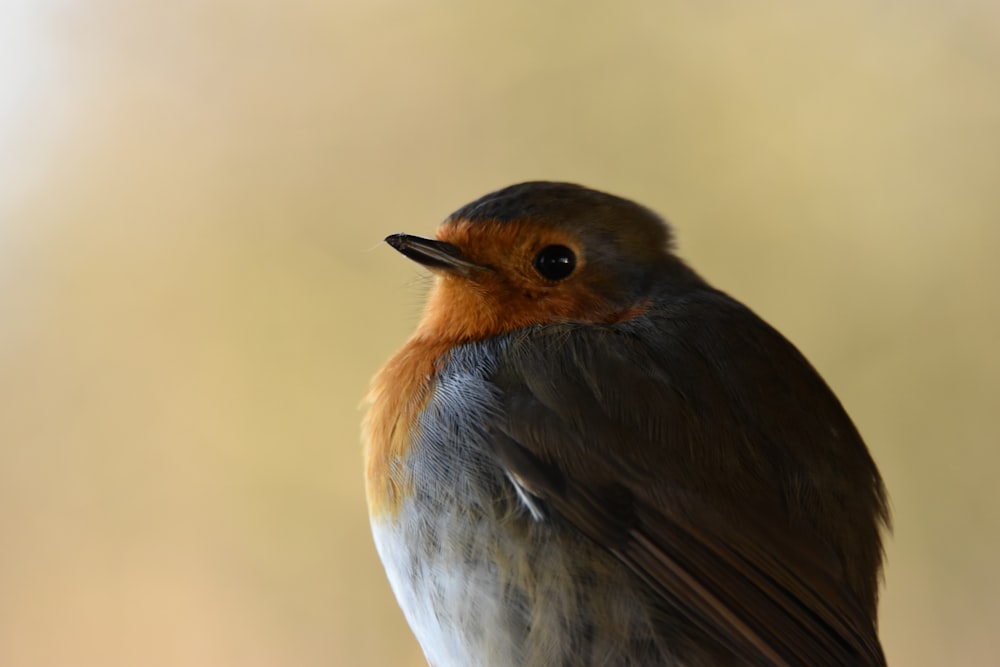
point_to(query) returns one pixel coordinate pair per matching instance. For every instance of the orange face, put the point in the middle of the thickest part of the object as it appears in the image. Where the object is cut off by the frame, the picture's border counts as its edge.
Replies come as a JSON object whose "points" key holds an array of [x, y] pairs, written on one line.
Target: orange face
{"points": [[509, 292]]}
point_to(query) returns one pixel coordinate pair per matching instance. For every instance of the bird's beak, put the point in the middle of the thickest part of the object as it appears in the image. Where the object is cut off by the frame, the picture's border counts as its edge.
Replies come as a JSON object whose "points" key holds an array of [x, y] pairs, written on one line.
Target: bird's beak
{"points": [[432, 254]]}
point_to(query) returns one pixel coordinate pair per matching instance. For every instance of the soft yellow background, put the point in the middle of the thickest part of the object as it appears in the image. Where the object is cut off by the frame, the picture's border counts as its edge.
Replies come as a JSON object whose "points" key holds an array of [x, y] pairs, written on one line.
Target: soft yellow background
{"points": [[193, 293]]}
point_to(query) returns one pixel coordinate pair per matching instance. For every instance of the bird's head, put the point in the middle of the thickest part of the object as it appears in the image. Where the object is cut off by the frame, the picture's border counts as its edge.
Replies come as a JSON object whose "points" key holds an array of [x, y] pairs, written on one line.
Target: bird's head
{"points": [[537, 253]]}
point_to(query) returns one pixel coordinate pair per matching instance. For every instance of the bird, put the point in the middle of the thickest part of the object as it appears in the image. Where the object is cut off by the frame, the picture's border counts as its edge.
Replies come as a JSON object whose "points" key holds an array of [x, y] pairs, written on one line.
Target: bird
{"points": [[585, 454]]}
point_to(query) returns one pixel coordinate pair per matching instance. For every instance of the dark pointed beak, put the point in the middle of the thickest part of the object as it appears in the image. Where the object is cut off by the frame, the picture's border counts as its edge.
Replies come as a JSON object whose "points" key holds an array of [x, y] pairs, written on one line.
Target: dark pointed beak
{"points": [[432, 254]]}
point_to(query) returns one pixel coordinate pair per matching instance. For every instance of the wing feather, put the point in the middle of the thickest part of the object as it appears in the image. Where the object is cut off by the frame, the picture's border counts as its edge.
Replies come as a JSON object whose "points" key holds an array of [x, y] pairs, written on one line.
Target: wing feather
{"points": [[745, 569]]}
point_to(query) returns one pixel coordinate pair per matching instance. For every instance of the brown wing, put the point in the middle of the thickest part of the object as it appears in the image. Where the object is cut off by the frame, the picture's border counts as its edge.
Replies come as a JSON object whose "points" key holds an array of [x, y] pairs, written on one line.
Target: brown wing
{"points": [[661, 455]]}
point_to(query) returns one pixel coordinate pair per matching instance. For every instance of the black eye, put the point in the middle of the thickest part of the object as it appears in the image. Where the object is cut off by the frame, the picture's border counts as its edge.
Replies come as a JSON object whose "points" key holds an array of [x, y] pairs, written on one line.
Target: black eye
{"points": [[555, 262]]}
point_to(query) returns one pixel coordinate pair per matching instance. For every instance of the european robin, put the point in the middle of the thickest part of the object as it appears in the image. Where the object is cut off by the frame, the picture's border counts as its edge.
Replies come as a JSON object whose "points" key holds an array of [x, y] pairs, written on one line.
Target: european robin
{"points": [[587, 455]]}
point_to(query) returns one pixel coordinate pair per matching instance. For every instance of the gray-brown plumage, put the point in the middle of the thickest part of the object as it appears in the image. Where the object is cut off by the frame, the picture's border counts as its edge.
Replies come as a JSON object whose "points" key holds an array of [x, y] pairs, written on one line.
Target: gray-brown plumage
{"points": [[587, 455]]}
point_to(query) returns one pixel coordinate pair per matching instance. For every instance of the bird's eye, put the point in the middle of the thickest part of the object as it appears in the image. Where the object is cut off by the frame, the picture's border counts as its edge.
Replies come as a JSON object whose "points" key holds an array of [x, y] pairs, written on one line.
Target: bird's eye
{"points": [[555, 262]]}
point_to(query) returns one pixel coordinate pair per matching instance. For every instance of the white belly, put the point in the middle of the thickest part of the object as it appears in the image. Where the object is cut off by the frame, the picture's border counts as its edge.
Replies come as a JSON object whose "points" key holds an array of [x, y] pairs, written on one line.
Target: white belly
{"points": [[451, 604]]}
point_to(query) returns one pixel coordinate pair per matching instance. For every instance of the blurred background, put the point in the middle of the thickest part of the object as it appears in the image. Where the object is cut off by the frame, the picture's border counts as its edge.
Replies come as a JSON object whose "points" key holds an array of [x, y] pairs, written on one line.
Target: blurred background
{"points": [[193, 292]]}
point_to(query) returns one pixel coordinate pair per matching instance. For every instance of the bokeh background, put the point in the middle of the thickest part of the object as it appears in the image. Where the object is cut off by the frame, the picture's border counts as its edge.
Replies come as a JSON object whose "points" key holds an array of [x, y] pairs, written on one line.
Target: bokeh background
{"points": [[193, 292]]}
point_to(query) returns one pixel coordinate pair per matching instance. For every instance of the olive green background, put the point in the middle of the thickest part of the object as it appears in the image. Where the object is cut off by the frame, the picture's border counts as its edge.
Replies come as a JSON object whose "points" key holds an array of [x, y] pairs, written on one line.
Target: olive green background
{"points": [[193, 292]]}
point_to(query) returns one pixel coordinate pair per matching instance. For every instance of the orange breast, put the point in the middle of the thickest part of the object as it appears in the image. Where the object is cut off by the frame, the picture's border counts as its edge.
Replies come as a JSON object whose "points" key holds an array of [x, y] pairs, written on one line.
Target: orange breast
{"points": [[398, 393]]}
